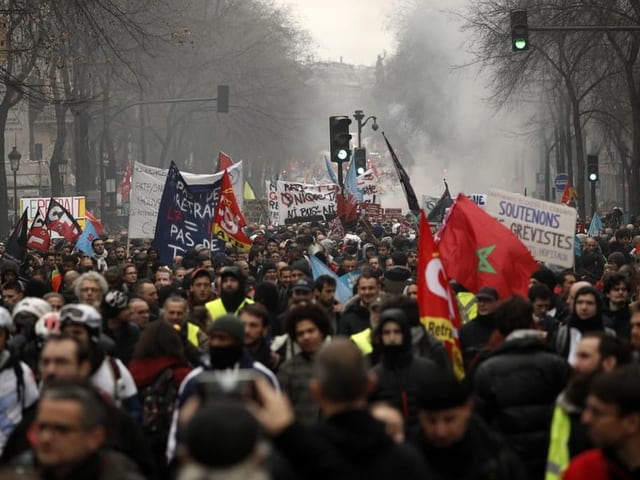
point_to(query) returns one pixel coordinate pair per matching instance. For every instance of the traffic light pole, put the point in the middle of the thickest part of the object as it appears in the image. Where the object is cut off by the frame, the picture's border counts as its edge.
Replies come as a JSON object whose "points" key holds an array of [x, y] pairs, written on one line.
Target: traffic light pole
{"points": [[594, 205], [587, 28]]}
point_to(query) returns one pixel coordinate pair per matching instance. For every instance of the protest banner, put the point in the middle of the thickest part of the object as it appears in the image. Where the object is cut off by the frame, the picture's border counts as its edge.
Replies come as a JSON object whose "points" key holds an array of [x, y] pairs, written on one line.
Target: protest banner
{"points": [[146, 193], [479, 199], [301, 202], [74, 205], [185, 217], [547, 229]]}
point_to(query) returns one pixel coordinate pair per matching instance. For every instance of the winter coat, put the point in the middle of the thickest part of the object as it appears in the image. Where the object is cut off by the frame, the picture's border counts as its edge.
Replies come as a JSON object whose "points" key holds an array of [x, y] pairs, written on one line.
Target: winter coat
{"points": [[485, 453], [354, 319], [294, 376], [516, 387], [349, 445]]}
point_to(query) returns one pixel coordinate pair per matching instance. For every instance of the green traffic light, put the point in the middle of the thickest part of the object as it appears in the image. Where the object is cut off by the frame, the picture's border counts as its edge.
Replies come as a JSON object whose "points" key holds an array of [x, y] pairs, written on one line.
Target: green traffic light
{"points": [[520, 44]]}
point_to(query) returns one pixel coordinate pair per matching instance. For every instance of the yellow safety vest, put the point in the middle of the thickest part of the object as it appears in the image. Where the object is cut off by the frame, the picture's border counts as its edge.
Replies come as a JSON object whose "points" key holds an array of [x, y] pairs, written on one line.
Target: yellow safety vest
{"points": [[363, 341], [468, 306], [216, 307], [192, 334], [558, 456]]}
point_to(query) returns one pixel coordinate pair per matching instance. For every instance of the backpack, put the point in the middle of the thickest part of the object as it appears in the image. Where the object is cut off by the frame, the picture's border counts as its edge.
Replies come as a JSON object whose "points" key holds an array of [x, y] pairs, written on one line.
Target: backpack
{"points": [[158, 400]]}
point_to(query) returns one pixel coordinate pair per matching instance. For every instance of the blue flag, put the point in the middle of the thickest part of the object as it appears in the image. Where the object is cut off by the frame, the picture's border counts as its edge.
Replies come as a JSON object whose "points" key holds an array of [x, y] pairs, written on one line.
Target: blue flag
{"points": [[330, 170], [343, 292], [185, 216], [595, 226], [351, 181], [88, 235]]}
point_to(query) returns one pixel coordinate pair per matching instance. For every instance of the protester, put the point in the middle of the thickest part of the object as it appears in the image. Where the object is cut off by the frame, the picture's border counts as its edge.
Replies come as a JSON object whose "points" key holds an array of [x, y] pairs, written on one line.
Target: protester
{"points": [[350, 443]]}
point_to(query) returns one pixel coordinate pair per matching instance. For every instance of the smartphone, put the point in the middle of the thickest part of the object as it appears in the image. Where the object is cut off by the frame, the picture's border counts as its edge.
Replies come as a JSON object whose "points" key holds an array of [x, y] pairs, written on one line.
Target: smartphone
{"points": [[238, 384]]}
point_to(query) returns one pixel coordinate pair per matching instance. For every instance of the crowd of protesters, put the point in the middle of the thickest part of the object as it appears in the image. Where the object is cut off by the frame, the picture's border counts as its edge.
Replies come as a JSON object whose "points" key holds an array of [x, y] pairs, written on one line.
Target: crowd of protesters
{"points": [[243, 365]]}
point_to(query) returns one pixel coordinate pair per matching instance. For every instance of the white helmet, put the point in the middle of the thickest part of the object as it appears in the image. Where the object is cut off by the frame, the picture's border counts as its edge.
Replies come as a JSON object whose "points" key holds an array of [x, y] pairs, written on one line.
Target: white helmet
{"points": [[33, 306], [5, 319], [82, 315]]}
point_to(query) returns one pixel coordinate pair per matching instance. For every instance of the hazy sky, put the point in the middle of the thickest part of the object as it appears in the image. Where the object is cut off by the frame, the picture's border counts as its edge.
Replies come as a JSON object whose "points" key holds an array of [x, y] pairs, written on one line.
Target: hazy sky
{"points": [[358, 33], [489, 140]]}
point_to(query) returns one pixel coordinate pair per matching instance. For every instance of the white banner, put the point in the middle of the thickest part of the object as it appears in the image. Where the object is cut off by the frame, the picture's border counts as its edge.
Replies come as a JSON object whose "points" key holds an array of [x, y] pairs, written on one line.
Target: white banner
{"points": [[147, 184], [301, 202], [547, 229]]}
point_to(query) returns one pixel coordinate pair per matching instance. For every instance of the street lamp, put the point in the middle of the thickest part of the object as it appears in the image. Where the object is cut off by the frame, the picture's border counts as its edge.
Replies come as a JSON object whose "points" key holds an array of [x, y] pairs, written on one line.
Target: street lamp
{"points": [[14, 161], [359, 115]]}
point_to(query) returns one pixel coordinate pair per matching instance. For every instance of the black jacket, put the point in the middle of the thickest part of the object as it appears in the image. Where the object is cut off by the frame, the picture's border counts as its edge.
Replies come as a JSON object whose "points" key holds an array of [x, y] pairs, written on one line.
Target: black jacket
{"points": [[354, 320], [479, 455], [349, 445], [474, 337], [401, 374], [516, 387]]}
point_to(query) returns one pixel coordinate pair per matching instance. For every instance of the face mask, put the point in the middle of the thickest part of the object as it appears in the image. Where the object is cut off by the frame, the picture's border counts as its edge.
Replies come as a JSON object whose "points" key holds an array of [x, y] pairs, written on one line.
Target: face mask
{"points": [[225, 357], [392, 352]]}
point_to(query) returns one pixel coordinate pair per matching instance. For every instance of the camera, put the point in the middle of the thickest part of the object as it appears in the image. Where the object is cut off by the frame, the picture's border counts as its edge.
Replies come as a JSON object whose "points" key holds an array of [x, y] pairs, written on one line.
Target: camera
{"points": [[236, 384]]}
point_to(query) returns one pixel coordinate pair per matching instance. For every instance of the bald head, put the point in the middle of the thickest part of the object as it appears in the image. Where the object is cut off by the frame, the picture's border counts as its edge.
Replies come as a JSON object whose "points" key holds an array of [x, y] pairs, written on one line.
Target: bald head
{"points": [[573, 290], [341, 371]]}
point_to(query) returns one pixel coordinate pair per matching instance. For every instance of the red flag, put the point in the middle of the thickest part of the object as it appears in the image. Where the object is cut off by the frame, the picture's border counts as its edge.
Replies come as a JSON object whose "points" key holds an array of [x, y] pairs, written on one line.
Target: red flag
{"points": [[224, 161], [38, 238], [478, 251], [347, 209], [125, 188], [62, 222], [96, 223], [436, 301], [228, 220], [566, 195]]}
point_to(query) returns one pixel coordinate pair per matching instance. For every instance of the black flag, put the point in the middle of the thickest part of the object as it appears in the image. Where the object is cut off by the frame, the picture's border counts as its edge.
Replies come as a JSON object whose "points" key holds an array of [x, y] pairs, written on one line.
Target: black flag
{"points": [[17, 244], [440, 208], [412, 200]]}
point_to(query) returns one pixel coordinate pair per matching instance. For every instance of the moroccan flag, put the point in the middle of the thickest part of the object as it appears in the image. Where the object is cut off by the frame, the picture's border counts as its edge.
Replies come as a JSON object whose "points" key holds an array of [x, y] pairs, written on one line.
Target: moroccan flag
{"points": [[39, 238], [224, 161], [440, 208], [478, 251], [412, 200], [94, 220], [436, 301], [16, 248], [59, 220], [228, 220]]}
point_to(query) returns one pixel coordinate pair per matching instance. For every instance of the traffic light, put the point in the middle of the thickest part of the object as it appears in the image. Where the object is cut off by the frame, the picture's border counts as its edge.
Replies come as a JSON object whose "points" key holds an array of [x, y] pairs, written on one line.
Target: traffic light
{"points": [[519, 31], [592, 168], [340, 137], [222, 101], [360, 160]]}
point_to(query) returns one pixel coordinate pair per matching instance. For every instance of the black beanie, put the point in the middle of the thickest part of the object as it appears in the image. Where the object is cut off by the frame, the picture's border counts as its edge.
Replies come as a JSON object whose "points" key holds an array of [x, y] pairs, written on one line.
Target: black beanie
{"points": [[442, 390], [221, 434], [229, 324]]}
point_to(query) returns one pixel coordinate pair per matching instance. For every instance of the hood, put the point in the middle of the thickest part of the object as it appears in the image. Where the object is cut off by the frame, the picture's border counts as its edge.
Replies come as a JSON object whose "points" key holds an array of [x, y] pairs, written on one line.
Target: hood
{"points": [[145, 370], [398, 316]]}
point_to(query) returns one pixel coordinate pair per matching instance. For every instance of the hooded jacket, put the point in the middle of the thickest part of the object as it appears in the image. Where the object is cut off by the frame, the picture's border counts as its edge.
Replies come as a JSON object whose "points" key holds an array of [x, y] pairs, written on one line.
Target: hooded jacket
{"points": [[401, 375]]}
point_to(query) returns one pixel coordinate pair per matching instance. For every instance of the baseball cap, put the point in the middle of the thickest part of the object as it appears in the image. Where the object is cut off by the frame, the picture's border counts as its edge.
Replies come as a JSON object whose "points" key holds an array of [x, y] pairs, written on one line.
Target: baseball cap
{"points": [[303, 284], [487, 293]]}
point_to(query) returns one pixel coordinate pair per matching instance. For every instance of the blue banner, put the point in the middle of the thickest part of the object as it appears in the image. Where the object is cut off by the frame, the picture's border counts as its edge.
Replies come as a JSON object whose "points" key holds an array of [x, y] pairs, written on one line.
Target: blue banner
{"points": [[185, 216]]}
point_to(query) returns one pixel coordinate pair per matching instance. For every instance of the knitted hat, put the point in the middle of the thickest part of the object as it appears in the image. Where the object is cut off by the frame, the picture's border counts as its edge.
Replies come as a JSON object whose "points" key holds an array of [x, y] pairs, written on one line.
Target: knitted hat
{"points": [[221, 434], [228, 324]]}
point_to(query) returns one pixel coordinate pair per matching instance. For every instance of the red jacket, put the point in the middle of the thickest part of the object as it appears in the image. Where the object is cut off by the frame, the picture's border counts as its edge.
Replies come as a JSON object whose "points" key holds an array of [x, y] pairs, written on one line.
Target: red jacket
{"points": [[595, 465], [145, 370]]}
